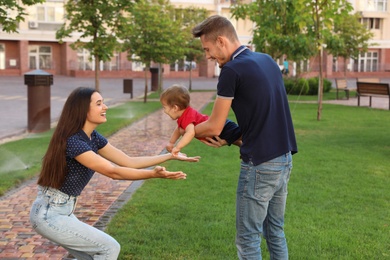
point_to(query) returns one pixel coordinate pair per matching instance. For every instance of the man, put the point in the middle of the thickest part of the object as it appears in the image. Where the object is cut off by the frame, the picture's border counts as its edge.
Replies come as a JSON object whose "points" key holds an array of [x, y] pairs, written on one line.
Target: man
{"points": [[252, 85]]}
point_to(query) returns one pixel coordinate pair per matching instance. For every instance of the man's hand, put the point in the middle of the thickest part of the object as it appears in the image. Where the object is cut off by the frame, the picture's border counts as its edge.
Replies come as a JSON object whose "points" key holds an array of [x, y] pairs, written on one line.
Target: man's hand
{"points": [[215, 142]]}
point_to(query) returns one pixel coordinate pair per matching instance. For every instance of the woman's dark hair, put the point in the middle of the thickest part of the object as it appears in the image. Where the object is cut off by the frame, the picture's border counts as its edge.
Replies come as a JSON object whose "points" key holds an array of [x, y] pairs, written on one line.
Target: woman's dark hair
{"points": [[72, 120]]}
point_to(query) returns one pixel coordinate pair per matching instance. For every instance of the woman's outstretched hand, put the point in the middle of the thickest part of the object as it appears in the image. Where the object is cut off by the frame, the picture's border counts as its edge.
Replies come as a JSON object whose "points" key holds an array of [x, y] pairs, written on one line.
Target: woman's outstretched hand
{"points": [[161, 172], [184, 157]]}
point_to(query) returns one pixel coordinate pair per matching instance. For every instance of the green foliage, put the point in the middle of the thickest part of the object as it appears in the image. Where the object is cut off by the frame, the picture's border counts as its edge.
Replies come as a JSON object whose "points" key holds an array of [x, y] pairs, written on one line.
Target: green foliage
{"points": [[327, 85], [313, 86], [302, 86], [350, 37], [189, 17], [289, 84], [282, 33], [98, 22], [12, 12], [297, 28], [159, 33], [152, 35]]}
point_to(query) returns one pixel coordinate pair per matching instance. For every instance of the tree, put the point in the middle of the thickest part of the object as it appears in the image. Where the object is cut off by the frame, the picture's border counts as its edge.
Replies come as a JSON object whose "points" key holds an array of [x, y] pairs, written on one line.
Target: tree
{"points": [[324, 15], [193, 54], [98, 24], [277, 28], [152, 35], [12, 13], [189, 17], [297, 28], [350, 38]]}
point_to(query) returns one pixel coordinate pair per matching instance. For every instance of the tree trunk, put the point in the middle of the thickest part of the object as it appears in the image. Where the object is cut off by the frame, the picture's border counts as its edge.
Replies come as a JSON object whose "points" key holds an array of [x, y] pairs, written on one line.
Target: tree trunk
{"points": [[160, 78], [97, 82], [146, 83], [345, 68], [320, 87], [190, 84]]}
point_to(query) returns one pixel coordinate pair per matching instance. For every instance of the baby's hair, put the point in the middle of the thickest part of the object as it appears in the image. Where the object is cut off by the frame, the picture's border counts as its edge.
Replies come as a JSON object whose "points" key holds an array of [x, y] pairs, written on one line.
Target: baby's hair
{"points": [[176, 95]]}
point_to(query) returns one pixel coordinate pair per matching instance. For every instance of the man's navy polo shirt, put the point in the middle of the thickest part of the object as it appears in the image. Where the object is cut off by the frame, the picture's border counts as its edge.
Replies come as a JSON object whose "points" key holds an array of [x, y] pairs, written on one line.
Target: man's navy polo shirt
{"points": [[254, 81]]}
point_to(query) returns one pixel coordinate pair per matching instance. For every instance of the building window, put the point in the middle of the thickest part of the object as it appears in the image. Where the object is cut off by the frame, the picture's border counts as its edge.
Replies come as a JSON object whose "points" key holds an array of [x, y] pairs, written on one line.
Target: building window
{"points": [[2, 56], [39, 57], [48, 12], [305, 66], [113, 64], [382, 5], [136, 65], [84, 60], [335, 64], [368, 61], [45, 13], [377, 5], [371, 23], [87, 62]]}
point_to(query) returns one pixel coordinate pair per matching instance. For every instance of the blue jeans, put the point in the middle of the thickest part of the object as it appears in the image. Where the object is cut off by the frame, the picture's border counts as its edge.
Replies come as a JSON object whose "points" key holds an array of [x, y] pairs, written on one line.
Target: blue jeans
{"points": [[261, 203], [52, 217]]}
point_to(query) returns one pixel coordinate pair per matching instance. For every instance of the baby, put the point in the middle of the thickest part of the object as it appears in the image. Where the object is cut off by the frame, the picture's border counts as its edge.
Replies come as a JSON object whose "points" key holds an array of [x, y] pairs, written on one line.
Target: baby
{"points": [[176, 103]]}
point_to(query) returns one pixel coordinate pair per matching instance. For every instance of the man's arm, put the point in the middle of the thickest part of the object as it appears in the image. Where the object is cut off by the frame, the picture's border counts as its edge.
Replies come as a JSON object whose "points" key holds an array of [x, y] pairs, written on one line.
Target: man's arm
{"points": [[214, 125]]}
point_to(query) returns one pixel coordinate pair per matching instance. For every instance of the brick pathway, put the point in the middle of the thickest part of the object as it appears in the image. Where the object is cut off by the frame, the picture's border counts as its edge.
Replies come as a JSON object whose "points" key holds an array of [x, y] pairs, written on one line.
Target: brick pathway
{"points": [[145, 137]]}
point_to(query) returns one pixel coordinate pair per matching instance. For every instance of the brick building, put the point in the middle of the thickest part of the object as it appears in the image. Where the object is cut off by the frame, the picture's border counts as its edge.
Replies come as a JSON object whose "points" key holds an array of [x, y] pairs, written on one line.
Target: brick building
{"points": [[35, 46]]}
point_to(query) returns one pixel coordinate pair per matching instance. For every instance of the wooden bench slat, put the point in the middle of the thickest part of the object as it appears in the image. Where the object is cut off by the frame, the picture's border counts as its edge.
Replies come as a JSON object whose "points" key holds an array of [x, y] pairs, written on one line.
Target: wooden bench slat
{"points": [[371, 80], [372, 89], [341, 85]]}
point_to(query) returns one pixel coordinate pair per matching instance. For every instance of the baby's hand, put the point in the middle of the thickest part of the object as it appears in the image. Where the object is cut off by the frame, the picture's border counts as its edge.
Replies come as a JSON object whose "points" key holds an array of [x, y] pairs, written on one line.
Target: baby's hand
{"points": [[169, 147], [175, 151]]}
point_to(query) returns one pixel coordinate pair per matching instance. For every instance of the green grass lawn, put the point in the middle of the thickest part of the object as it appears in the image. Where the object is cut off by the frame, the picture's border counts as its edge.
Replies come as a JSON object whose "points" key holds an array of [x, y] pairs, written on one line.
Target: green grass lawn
{"points": [[338, 205], [331, 95]]}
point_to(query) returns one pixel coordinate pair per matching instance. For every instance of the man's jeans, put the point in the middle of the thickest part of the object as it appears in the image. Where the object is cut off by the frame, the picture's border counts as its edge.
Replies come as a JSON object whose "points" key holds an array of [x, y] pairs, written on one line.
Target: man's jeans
{"points": [[52, 216], [261, 202]]}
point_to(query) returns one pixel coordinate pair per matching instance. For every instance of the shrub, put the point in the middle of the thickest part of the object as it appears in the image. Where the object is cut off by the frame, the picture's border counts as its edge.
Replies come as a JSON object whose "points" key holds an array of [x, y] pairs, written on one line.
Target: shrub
{"points": [[289, 84], [313, 86], [327, 85], [301, 87]]}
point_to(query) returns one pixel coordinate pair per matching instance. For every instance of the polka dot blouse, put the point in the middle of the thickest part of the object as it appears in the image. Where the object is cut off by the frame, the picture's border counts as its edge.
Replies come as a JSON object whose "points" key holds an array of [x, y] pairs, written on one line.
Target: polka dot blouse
{"points": [[78, 175]]}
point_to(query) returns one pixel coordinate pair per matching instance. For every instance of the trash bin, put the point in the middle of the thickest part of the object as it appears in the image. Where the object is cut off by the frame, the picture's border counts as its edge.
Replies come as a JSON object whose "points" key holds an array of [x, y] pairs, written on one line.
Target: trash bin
{"points": [[128, 87], [38, 100], [154, 83]]}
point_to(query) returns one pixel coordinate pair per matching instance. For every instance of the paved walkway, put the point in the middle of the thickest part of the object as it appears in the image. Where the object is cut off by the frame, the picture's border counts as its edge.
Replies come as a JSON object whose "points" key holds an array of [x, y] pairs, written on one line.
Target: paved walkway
{"points": [[377, 102], [100, 199]]}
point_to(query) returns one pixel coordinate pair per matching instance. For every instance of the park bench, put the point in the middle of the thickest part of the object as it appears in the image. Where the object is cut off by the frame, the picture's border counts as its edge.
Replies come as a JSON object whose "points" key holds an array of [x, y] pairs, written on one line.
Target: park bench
{"points": [[341, 85], [370, 89], [372, 80]]}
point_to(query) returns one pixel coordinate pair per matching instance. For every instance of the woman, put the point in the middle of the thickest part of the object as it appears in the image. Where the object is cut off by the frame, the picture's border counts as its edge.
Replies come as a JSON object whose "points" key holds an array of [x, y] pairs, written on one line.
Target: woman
{"points": [[75, 152]]}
